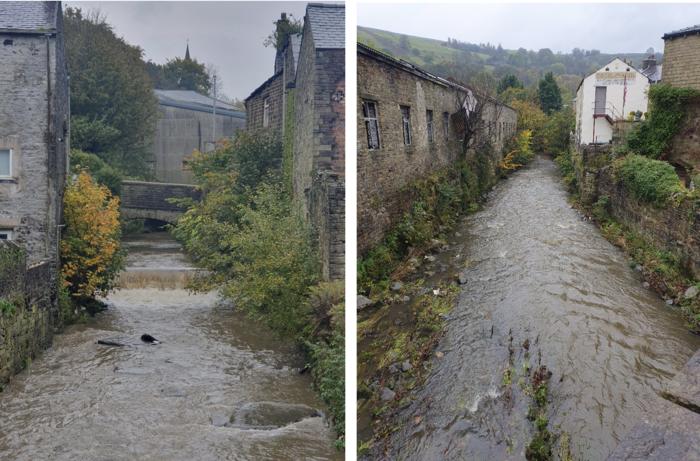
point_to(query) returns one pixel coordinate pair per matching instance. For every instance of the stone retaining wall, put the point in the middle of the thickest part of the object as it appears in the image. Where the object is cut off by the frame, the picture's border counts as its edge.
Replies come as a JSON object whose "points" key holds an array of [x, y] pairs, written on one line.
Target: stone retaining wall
{"points": [[675, 229], [28, 309]]}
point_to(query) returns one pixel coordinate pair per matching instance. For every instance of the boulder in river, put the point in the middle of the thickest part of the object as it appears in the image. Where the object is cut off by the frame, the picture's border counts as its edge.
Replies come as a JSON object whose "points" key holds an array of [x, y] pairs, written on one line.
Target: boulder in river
{"points": [[271, 415], [691, 292], [387, 394], [362, 302]]}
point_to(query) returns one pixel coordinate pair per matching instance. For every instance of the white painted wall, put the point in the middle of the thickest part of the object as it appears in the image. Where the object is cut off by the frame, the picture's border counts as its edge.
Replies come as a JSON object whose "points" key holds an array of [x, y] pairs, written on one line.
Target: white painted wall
{"points": [[599, 130]]}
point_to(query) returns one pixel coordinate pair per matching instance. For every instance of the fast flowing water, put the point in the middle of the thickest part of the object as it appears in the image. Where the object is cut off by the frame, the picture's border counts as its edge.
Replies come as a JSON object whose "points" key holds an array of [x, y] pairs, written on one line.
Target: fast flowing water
{"points": [[537, 269], [218, 387]]}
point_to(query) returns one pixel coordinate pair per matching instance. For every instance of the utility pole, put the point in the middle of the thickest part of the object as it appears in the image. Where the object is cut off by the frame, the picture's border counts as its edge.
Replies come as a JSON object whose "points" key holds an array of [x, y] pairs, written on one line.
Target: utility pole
{"points": [[213, 121]]}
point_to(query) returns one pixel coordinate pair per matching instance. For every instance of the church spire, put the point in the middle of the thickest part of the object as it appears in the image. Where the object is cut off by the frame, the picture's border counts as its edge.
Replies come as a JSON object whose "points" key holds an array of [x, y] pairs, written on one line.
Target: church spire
{"points": [[187, 51]]}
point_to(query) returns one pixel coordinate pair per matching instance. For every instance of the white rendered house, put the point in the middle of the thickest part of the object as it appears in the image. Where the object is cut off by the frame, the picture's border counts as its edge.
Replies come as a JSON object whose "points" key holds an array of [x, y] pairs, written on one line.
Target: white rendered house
{"points": [[615, 92]]}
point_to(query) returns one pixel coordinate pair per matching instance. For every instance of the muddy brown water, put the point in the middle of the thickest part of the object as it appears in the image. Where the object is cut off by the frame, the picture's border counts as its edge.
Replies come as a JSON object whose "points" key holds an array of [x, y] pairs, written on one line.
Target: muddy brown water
{"points": [[219, 387], [535, 267]]}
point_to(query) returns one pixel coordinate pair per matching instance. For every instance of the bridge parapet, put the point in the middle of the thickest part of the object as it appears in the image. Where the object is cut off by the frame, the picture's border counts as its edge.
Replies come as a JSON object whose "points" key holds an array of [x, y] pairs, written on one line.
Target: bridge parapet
{"points": [[149, 200]]}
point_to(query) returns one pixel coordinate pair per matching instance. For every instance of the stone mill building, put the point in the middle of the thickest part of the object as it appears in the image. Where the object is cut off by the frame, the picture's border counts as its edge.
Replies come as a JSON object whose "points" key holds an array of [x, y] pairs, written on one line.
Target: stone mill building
{"points": [[304, 102], [34, 143]]}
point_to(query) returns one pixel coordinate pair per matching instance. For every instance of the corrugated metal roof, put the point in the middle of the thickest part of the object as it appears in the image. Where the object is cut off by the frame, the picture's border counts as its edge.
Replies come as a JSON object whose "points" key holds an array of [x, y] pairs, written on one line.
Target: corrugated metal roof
{"points": [[28, 17], [686, 31], [192, 100], [327, 22]]}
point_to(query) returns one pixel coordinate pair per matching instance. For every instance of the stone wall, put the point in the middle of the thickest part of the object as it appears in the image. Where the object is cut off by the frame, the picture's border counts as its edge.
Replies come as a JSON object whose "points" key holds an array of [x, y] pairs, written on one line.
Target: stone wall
{"points": [[148, 195], [685, 146], [318, 170], [384, 174], [34, 125], [254, 105], [327, 212], [28, 309], [673, 229], [682, 61]]}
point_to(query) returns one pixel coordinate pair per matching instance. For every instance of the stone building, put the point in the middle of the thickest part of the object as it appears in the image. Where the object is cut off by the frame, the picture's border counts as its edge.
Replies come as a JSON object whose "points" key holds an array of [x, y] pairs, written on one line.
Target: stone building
{"points": [[187, 121], [34, 123], [682, 58], [304, 102], [34, 144], [407, 127]]}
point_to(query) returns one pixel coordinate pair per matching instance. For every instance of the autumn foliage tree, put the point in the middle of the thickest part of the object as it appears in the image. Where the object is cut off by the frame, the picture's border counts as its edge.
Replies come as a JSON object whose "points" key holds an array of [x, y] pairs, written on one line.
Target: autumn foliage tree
{"points": [[90, 248]]}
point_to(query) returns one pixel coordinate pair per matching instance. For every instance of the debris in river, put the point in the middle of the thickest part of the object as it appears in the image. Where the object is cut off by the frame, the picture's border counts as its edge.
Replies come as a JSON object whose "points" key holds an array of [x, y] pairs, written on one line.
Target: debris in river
{"points": [[146, 338], [107, 342]]}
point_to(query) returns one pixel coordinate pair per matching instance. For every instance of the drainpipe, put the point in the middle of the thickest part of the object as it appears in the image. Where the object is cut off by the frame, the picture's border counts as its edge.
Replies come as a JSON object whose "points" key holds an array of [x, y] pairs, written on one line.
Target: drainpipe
{"points": [[49, 139]]}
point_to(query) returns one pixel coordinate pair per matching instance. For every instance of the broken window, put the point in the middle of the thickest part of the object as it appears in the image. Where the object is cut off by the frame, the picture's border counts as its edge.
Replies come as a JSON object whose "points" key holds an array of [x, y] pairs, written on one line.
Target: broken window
{"points": [[406, 119], [369, 110], [266, 112], [5, 163], [429, 120], [446, 124]]}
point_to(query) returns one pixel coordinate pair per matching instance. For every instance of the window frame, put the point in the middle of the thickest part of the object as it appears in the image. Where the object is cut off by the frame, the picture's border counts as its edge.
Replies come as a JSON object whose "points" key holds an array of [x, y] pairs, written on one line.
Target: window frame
{"points": [[430, 125], [368, 119], [446, 125], [406, 124], [266, 112], [9, 175], [8, 233]]}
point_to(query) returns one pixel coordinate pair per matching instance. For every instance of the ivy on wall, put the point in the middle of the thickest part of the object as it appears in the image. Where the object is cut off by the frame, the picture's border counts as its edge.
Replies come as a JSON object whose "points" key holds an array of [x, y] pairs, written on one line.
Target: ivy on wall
{"points": [[667, 112]]}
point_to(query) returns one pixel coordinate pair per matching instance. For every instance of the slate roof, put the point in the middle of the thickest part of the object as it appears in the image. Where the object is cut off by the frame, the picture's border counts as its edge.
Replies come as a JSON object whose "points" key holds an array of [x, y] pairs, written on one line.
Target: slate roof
{"points": [[29, 17], [186, 99], [692, 30], [327, 22]]}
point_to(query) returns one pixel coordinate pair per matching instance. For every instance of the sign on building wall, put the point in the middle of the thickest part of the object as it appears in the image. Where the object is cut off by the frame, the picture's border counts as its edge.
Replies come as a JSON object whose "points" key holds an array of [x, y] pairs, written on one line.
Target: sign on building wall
{"points": [[614, 78]]}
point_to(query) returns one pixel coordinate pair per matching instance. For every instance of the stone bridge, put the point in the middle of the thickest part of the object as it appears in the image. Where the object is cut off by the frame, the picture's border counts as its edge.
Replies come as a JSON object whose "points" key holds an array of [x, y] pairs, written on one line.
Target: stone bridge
{"points": [[149, 200]]}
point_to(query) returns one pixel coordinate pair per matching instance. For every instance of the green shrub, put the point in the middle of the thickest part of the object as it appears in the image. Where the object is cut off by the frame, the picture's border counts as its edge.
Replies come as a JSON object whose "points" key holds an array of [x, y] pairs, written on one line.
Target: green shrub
{"points": [[567, 168], [102, 172], [328, 370], [651, 181], [666, 114]]}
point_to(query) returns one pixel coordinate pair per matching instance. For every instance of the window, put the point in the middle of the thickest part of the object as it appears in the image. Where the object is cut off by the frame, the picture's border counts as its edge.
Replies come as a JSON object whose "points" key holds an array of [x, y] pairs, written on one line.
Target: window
{"points": [[446, 124], [5, 163], [5, 234], [369, 110], [266, 112], [406, 121], [429, 120]]}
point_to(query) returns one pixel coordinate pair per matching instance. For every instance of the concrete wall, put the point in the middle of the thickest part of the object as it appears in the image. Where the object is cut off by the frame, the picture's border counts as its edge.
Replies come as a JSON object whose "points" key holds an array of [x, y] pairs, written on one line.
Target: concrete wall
{"points": [[254, 105], [384, 174], [611, 76], [682, 61], [28, 327], [34, 125], [181, 131]]}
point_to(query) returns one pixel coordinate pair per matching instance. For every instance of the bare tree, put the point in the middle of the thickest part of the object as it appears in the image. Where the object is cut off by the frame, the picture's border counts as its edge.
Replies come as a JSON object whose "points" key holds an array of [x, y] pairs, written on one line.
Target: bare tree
{"points": [[477, 118]]}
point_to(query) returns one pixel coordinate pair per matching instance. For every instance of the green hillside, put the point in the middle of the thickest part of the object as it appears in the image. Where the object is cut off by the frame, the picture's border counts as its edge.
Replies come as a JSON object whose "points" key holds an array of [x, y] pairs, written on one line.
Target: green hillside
{"points": [[464, 60]]}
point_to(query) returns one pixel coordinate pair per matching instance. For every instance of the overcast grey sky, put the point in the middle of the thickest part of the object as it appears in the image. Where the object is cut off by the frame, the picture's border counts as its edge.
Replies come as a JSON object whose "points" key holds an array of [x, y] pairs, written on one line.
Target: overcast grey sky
{"points": [[609, 28], [228, 35]]}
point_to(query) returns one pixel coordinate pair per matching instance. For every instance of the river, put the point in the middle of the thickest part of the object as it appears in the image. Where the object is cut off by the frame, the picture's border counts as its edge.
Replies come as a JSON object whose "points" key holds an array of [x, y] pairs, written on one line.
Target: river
{"points": [[218, 387], [538, 270]]}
